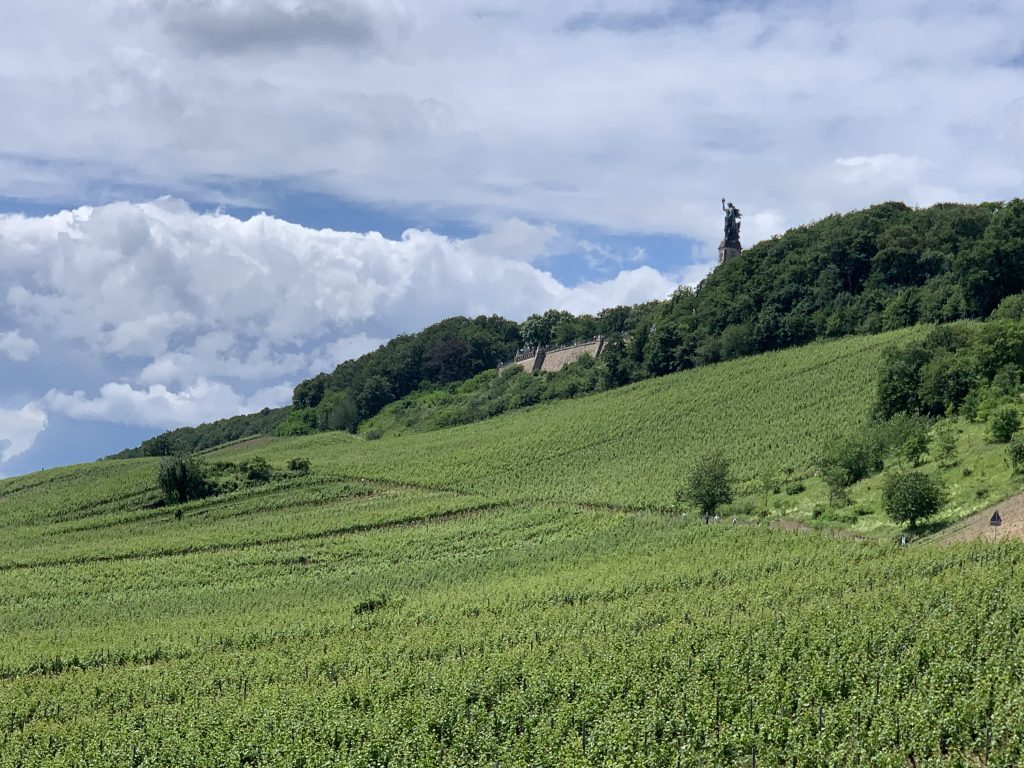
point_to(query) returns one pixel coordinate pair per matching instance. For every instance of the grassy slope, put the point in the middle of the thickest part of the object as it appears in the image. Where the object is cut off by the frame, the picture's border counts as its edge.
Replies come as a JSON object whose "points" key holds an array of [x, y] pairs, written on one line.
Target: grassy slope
{"points": [[629, 446], [512, 611]]}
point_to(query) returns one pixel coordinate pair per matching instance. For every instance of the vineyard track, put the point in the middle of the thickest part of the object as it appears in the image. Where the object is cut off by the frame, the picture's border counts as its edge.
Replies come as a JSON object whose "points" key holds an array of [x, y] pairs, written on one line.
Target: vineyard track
{"points": [[978, 525]]}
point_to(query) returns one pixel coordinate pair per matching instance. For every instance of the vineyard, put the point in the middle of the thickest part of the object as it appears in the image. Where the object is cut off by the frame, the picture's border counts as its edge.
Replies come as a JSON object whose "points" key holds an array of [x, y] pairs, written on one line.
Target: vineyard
{"points": [[514, 592], [628, 446]]}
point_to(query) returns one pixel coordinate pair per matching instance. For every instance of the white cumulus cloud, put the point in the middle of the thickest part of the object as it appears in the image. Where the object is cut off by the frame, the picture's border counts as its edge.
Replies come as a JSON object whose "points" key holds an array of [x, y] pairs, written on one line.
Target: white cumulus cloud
{"points": [[17, 347], [19, 430], [157, 406], [187, 316]]}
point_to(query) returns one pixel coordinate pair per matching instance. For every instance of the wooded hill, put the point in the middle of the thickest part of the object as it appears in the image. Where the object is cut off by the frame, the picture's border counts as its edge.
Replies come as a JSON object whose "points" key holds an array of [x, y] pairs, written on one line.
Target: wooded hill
{"points": [[887, 267]]}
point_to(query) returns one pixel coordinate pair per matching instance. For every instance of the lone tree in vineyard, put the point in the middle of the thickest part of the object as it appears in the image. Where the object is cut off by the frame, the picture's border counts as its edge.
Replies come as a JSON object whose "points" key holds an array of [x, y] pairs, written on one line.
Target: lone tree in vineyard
{"points": [[912, 496], [708, 485]]}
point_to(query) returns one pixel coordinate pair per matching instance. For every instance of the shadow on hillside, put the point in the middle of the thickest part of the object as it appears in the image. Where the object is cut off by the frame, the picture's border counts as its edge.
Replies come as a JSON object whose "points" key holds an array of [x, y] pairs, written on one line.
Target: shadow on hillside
{"points": [[928, 528]]}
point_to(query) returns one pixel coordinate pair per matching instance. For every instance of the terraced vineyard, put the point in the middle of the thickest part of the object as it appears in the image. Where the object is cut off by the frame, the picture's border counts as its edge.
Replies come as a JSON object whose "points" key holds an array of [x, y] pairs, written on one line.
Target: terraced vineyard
{"points": [[515, 592], [628, 446]]}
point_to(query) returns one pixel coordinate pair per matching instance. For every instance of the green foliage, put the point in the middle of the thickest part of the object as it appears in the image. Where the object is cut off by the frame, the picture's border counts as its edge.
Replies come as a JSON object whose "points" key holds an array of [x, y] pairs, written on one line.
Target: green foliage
{"points": [[337, 411], [500, 594], [945, 444], [708, 484], [850, 460], [341, 622], [299, 421], [256, 469], [915, 442], [182, 478], [206, 436], [968, 368], [1010, 308], [1003, 423], [912, 496], [299, 465], [1015, 451]]}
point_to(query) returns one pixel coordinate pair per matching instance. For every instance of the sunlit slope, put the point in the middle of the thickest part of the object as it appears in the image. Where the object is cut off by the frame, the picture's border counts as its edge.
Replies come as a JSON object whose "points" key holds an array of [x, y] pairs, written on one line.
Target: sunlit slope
{"points": [[630, 445], [478, 597]]}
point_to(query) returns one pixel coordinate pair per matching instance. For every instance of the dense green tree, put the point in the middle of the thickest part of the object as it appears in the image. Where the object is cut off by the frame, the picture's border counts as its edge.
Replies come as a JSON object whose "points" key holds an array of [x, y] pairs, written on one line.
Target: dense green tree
{"points": [[337, 411], [615, 365], [912, 496], [899, 380], [991, 269], [182, 478], [373, 395], [1004, 423], [1011, 308], [708, 484], [1015, 451]]}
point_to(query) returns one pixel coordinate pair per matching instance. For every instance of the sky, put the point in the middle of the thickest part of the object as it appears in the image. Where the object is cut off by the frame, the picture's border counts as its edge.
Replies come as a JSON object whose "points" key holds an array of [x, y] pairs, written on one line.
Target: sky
{"points": [[203, 202]]}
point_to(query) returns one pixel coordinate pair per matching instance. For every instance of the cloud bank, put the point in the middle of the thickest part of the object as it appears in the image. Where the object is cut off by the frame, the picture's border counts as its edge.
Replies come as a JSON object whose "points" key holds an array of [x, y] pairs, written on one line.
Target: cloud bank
{"points": [[635, 116], [189, 316]]}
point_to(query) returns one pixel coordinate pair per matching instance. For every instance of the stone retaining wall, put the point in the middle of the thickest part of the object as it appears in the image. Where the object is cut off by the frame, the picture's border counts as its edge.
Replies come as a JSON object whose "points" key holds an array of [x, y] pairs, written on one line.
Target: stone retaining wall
{"points": [[551, 360]]}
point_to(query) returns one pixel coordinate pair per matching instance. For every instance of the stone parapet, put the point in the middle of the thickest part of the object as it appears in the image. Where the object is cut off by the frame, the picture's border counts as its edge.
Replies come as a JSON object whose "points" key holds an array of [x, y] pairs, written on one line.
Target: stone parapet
{"points": [[555, 358]]}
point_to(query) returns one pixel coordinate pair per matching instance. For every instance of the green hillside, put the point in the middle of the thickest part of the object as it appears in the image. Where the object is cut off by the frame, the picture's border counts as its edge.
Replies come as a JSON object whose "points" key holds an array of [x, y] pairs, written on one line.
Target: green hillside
{"points": [[629, 446], [517, 591], [879, 269]]}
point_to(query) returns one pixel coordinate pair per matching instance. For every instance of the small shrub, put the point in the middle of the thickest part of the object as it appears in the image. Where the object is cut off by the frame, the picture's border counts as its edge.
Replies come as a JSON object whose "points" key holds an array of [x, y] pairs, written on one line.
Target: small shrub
{"points": [[945, 444], [818, 510], [914, 447], [1004, 422], [743, 507], [1016, 451], [795, 487], [299, 466], [370, 605], [846, 515], [375, 434], [909, 497], [256, 470]]}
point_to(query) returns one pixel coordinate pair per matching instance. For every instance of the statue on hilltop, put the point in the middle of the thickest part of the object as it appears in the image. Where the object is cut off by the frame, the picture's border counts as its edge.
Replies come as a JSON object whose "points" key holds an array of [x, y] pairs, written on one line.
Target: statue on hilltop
{"points": [[730, 246]]}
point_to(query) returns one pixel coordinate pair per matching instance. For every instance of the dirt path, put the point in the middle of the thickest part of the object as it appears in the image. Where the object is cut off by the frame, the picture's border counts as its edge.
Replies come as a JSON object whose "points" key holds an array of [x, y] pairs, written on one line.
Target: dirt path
{"points": [[1011, 510]]}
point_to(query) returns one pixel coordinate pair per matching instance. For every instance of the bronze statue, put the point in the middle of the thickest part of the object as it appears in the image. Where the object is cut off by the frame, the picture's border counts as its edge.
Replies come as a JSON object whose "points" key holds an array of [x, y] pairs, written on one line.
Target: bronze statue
{"points": [[732, 224], [730, 246]]}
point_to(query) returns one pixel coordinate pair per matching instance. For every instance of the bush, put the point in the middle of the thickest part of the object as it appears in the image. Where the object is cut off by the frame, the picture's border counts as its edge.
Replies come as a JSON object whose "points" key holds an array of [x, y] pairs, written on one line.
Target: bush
{"points": [[909, 497], [945, 444], [256, 470], [848, 461], [795, 487], [299, 466], [1016, 451], [743, 508], [708, 485], [1004, 422], [182, 478]]}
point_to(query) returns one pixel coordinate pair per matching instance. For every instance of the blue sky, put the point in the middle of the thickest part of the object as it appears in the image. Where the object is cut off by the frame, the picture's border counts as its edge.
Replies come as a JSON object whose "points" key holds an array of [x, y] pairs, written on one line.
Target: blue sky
{"points": [[204, 201]]}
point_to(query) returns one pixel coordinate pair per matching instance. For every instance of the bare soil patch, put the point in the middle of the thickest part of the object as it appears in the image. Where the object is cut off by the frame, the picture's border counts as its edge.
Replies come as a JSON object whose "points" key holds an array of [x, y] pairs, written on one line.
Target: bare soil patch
{"points": [[977, 525]]}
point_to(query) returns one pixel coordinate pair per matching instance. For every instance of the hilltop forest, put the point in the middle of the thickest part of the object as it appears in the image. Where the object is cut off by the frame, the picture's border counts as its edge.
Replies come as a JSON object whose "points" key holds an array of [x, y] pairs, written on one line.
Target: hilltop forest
{"points": [[879, 269]]}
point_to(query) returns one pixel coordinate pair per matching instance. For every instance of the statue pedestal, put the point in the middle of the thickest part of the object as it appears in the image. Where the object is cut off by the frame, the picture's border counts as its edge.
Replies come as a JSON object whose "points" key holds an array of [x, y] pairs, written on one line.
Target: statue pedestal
{"points": [[727, 250]]}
